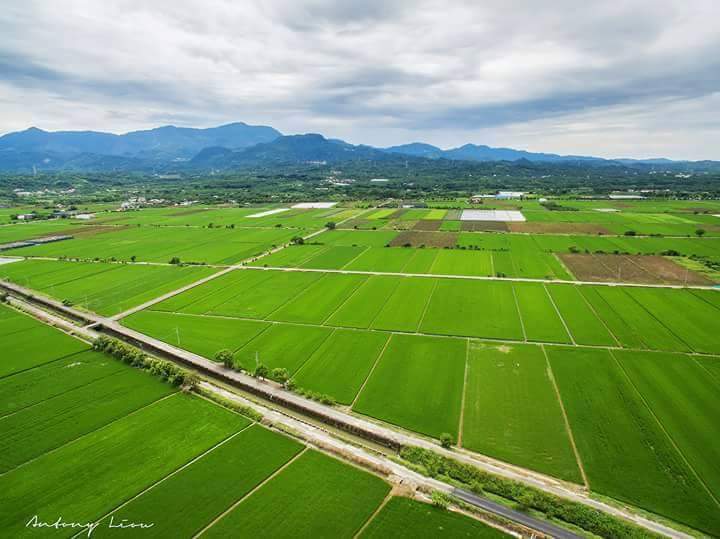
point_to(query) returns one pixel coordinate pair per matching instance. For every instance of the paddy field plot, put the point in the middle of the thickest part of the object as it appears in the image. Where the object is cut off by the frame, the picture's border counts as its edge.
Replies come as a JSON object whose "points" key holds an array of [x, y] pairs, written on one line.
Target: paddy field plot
{"points": [[319, 497], [52, 423], [202, 335], [473, 308], [49, 380], [103, 288], [35, 344], [89, 477], [624, 451], [685, 401], [403, 517], [282, 346], [582, 321], [342, 363], [193, 497], [405, 308], [365, 304], [417, 384], [540, 318], [512, 411]]}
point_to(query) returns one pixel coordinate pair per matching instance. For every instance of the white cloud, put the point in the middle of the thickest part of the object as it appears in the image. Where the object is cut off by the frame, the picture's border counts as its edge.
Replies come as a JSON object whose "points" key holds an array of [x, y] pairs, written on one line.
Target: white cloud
{"points": [[622, 77]]}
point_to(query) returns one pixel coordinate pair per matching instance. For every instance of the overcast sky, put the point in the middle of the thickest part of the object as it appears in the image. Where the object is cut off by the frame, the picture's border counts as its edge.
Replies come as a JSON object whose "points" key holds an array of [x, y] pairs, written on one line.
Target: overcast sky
{"points": [[617, 78]]}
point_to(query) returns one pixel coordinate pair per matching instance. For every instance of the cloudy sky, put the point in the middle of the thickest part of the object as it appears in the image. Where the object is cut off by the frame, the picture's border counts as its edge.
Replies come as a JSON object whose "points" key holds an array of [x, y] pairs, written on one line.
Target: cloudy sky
{"points": [[617, 78]]}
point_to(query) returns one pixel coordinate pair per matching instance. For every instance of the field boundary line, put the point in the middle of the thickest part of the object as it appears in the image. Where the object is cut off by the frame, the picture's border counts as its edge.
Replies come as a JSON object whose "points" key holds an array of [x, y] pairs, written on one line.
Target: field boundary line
{"points": [[231, 297], [652, 315], [372, 369], [59, 394], [343, 302], [694, 293], [494, 340], [704, 368], [173, 473], [560, 316], [566, 420], [248, 494], [307, 359], [74, 440], [374, 514], [427, 306], [600, 319], [464, 392], [353, 259], [520, 316], [664, 430], [492, 263], [10, 375]]}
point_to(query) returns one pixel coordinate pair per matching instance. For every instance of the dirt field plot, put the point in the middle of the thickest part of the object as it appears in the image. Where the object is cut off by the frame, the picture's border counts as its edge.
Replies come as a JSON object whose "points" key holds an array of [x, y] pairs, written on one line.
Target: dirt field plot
{"points": [[541, 227], [624, 451], [428, 225], [319, 497], [415, 238], [512, 412], [643, 269], [417, 384], [484, 226]]}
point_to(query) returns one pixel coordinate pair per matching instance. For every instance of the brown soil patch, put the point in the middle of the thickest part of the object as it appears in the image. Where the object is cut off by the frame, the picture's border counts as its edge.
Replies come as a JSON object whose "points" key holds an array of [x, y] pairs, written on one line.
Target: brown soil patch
{"points": [[483, 226], [641, 269], [401, 225], [397, 214], [453, 215], [416, 238], [86, 231], [558, 228], [427, 225]]}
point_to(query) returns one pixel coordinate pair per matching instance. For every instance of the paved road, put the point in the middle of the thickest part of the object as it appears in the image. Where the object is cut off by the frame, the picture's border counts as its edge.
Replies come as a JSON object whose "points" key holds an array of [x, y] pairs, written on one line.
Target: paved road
{"points": [[511, 514]]}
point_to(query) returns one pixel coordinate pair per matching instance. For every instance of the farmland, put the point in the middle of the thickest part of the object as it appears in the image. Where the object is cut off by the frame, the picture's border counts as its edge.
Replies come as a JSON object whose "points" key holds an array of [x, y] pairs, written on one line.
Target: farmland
{"points": [[410, 321], [72, 443]]}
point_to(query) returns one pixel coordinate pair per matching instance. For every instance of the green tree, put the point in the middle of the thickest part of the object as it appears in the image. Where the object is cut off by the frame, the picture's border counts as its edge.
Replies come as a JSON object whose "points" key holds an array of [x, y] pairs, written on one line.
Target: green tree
{"points": [[700, 232], [261, 371], [175, 260], [330, 225], [446, 440], [225, 357]]}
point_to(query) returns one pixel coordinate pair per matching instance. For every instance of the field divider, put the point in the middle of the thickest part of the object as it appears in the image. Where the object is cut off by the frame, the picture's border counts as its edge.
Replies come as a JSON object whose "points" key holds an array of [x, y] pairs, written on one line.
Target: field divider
{"points": [[568, 428], [662, 427], [427, 306], [557, 311], [247, 495], [464, 392], [171, 474], [373, 515], [372, 369], [520, 316], [74, 440], [365, 250], [651, 315], [342, 304]]}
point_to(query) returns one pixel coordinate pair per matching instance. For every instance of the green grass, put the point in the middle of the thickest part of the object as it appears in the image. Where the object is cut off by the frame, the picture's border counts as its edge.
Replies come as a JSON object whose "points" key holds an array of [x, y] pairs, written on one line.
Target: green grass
{"points": [[52, 423], [403, 517], [457, 262], [538, 314], [334, 257], [474, 309], [203, 335], [46, 381], [315, 496], [319, 300], [405, 307], [184, 503], [585, 326], [624, 451], [388, 259], [341, 364], [364, 305], [417, 384], [282, 345], [512, 411], [85, 479], [678, 391]]}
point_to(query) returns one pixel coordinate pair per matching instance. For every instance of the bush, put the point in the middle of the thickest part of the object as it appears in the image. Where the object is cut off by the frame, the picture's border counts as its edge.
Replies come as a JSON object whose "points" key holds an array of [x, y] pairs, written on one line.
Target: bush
{"points": [[446, 440], [175, 260], [225, 357], [440, 499], [261, 371], [587, 518], [279, 375], [630, 233], [330, 225]]}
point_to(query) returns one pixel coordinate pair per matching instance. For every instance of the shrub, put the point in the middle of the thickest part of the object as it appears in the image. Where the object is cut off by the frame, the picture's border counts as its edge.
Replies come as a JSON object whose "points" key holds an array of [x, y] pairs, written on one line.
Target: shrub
{"points": [[440, 499], [279, 375], [225, 357], [630, 233], [330, 225], [446, 440], [175, 260], [261, 371]]}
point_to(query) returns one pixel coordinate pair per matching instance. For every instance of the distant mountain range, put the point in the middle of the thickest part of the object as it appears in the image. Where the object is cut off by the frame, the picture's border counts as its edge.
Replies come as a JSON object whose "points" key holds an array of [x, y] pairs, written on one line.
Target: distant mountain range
{"points": [[239, 145]]}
